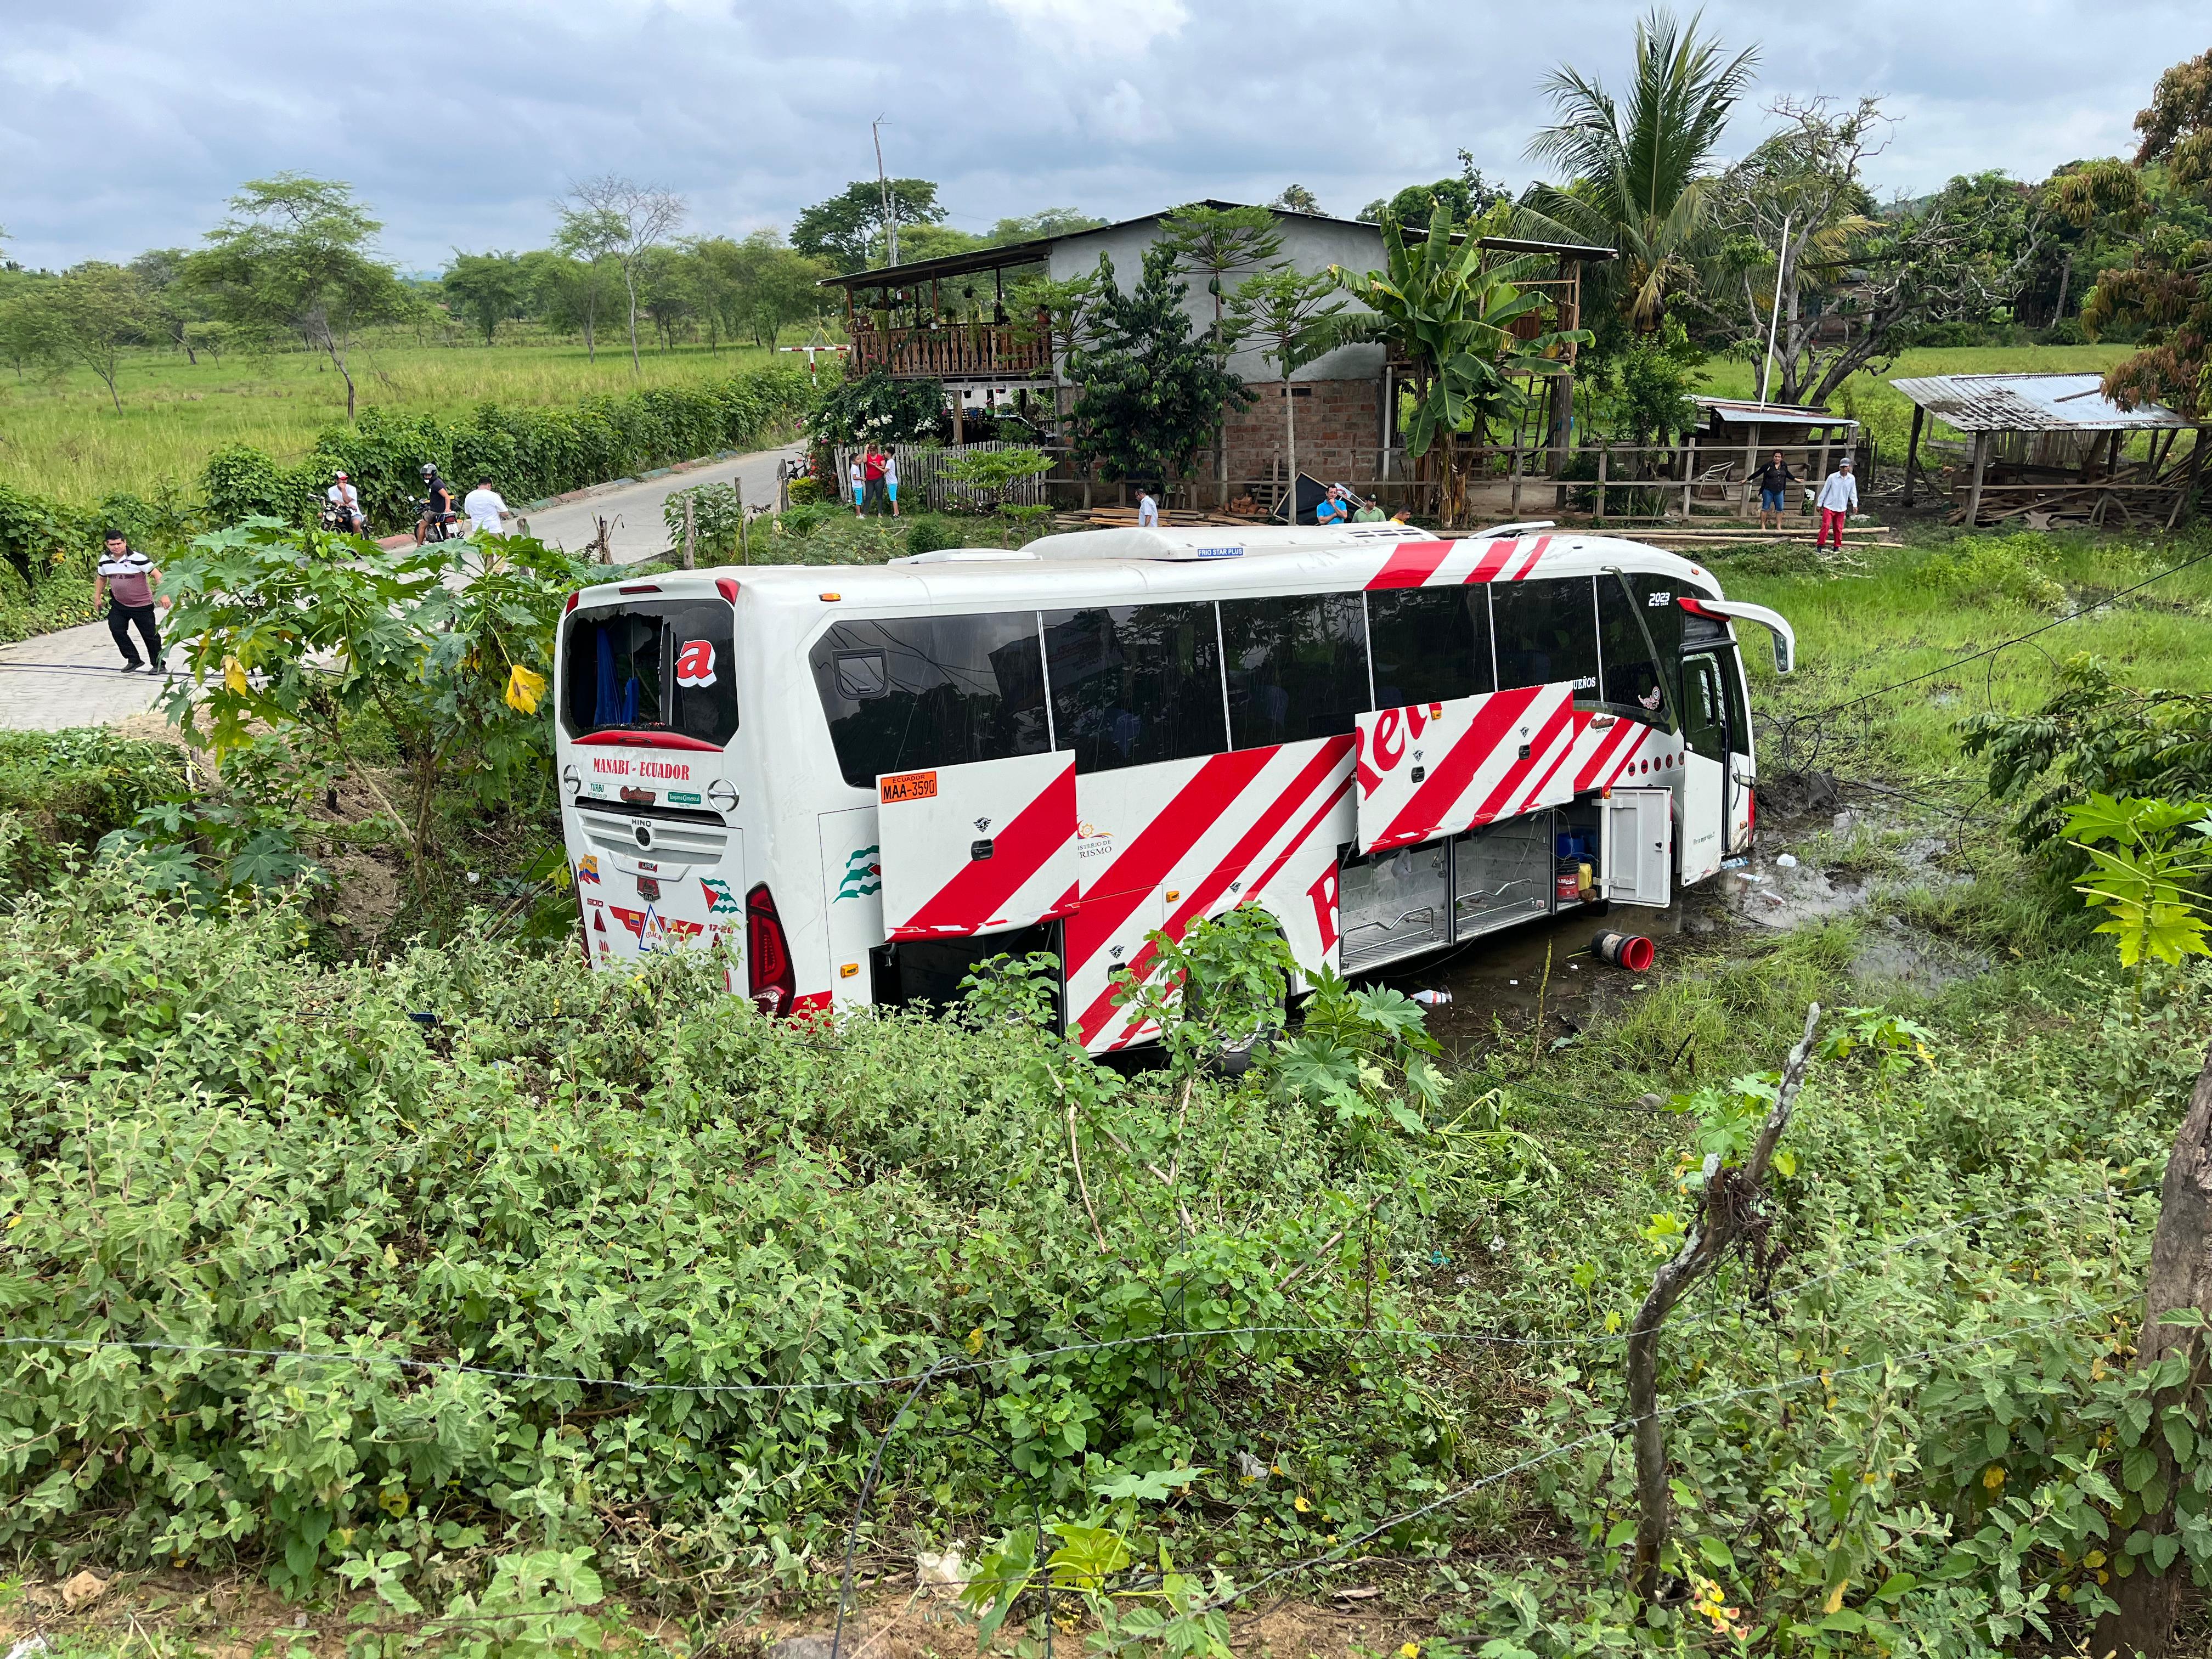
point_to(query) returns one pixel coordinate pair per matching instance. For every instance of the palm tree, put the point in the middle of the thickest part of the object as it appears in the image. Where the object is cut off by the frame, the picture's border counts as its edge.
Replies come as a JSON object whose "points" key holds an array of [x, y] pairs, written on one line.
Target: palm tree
{"points": [[1638, 170], [1459, 322]]}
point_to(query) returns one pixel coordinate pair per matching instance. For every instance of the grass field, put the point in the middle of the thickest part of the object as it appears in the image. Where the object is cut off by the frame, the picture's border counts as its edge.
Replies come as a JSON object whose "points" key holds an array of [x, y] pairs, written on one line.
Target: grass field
{"points": [[62, 437]]}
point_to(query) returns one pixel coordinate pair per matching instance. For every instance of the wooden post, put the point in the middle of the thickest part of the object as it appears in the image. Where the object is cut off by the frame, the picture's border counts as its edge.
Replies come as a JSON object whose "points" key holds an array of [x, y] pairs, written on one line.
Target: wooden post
{"points": [[1689, 490], [1912, 451], [745, 530], [2185, 504], [1688, 449], [1604, 452], [1974, 489], [690, 534], [1826, 438], [1514, 472], [959, 427], [1750, 467]]}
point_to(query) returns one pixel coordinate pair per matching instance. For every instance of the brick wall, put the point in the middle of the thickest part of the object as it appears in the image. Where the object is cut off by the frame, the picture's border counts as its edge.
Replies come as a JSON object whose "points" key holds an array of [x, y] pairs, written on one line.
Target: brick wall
{"points": [[1339, 428]]}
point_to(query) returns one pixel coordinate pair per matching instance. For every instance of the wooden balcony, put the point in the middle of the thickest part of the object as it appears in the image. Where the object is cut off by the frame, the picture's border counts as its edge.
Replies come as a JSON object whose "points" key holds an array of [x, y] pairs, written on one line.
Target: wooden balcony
{"points": [[955, 351]]}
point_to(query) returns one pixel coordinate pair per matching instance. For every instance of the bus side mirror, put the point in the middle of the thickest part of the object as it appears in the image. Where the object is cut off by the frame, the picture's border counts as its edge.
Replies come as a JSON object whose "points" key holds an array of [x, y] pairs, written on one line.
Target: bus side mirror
{"points": [[1783, 662]]}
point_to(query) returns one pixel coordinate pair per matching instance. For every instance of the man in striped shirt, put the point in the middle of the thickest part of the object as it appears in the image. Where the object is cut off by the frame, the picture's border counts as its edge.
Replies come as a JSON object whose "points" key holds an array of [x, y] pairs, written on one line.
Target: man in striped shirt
{"points": [[125, 580]]}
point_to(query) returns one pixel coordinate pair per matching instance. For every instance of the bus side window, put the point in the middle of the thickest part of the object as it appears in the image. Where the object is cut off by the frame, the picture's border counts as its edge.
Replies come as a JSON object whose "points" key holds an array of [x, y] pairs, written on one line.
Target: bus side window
{"points": [[1631, 681], [1547, 631], [1132, 685], [1704, 707], [916, 691], [1430, 644], [1298, 667], [1662, 619]]}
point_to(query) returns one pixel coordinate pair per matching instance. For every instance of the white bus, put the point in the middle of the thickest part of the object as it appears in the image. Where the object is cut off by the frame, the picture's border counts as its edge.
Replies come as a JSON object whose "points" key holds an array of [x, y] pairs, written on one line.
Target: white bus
{"points": [[857, 782]]}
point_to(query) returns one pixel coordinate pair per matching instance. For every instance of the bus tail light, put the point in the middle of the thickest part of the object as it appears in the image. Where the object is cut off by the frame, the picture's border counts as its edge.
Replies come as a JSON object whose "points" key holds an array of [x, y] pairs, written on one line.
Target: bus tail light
{"points": [[571, 604], [769, 974]]}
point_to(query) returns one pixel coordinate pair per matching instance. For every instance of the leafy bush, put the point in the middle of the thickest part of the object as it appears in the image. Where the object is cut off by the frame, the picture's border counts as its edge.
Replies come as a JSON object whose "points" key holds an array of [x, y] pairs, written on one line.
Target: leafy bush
{"points": [[876, 408], [63, 791], [717, 516], [928, 533], [527, 451], [35, 532], [804, 491], [2094, 737], [470, 1156]]}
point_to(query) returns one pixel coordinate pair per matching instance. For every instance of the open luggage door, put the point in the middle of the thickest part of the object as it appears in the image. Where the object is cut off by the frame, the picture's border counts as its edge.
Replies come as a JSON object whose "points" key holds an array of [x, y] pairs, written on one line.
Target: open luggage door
{"points": [[1636, 853], [982, 847], [1437, 769]]}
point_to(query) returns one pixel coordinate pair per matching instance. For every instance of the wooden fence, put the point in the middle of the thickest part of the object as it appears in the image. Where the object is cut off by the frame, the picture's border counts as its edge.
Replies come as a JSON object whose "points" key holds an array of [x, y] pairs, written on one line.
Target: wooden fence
{"points": [[923, 483]]}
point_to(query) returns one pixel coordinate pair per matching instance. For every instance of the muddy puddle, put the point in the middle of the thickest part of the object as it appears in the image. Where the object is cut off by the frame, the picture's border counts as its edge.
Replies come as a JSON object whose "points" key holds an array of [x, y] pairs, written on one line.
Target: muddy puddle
{"points": [[1505, 977]]}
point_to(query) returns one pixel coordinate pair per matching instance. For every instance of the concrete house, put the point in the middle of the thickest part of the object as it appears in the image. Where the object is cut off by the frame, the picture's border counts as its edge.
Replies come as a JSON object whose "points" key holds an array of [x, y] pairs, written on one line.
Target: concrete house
{"points": [[948, 319]]}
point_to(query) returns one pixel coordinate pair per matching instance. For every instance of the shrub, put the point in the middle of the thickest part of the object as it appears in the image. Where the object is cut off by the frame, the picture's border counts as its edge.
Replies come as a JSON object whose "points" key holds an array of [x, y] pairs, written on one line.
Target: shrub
{"points": [[876, 408], [60, 792], [805, 491], [2000, 566], [929, 534], [717, 515]]}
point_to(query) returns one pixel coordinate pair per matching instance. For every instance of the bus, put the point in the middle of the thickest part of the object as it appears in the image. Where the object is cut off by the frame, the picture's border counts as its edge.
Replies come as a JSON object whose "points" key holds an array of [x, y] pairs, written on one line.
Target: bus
{"points": [[855, 783]]}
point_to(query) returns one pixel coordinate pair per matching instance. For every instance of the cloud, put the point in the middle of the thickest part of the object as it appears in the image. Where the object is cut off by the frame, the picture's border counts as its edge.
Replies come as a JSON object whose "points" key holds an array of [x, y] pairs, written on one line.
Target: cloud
{"points": [[125, 124], [1088, 28]]}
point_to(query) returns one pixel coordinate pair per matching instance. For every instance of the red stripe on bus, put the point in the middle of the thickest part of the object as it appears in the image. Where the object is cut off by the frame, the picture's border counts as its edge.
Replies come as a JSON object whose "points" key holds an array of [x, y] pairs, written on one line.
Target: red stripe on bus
{"points": [[1410, 564], [1509, 798], [1153, 852], [642, 740], [1492, 562], [1433, 797], [1232, 865], [1528, 564], [1586, 777], [980, 891]]}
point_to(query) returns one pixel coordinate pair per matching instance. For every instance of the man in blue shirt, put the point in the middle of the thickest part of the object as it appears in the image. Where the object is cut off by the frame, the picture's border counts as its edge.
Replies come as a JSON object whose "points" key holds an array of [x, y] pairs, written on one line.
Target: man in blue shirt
{"points": [[1333, 509]]}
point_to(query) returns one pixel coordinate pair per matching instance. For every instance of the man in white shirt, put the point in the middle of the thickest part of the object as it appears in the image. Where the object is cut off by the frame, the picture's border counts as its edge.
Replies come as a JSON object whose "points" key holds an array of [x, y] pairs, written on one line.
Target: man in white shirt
{"points": [[344, 497], [485, 507], [1839, 497], [1148, 510]]}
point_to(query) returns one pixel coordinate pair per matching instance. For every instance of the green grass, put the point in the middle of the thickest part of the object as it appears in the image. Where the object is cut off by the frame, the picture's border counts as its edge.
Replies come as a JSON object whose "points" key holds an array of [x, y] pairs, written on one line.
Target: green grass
{"points": [[62, 437]]}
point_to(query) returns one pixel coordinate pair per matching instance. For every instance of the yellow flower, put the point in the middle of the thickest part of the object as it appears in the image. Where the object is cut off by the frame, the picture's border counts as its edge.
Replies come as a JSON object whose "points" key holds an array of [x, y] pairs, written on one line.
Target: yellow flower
{"points": [[975, 1340], [523, 689], [1411, 1650], [1300, 1505], [1993, 1477], [233, 676]]}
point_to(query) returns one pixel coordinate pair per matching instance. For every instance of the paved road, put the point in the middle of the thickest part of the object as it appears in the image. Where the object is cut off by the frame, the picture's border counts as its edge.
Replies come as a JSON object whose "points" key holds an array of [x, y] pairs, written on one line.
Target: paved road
{"points": [[638, 534], [75, 677]]}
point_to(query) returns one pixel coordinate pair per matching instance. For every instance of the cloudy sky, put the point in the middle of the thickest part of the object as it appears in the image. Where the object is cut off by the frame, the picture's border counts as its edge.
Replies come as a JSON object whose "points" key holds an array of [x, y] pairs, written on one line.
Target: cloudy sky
{"points": [[124, 124]]}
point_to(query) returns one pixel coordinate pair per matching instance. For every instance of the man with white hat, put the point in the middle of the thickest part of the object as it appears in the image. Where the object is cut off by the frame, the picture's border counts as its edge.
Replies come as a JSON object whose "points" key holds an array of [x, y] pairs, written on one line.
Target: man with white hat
{"points": [[344, 497]]}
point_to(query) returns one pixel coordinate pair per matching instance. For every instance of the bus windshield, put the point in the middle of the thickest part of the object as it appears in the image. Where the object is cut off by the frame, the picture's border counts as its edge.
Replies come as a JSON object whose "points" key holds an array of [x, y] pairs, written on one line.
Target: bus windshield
{"points": [[650, 666]]}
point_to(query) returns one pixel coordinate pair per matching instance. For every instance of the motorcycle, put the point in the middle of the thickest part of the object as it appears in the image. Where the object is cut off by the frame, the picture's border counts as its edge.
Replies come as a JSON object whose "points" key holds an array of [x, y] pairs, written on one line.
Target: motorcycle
{"points": [[337, 521], [440, 529]]}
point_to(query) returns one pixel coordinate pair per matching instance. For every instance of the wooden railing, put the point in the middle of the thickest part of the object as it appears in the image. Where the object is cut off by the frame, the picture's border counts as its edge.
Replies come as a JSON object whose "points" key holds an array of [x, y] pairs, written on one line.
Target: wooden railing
{"points": [[955, 351]]}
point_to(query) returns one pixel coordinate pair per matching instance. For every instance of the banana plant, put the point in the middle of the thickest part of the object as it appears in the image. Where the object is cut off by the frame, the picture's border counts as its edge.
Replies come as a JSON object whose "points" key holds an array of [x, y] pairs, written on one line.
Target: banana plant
{"points": [[1455, 317]]}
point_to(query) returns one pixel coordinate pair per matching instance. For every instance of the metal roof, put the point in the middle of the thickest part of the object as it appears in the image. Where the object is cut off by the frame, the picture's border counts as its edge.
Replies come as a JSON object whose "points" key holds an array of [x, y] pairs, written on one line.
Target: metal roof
{"points": [[1745, 411], [2030, 402]]}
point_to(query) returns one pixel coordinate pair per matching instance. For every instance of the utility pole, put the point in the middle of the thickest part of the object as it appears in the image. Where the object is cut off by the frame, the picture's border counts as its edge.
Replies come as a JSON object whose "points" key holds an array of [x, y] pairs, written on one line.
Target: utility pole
{"points": [[1774, 321], [883, 186]]}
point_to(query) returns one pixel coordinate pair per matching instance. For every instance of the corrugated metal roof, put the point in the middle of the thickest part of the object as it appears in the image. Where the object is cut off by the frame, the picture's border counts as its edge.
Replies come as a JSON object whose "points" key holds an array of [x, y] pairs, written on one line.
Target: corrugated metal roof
{"points": [[2030, 402], [1745, 411]]}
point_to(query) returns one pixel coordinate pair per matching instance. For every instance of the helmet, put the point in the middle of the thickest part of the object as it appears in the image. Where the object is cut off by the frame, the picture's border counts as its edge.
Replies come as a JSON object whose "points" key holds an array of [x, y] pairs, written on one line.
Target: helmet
{"points": [[429, 469]]}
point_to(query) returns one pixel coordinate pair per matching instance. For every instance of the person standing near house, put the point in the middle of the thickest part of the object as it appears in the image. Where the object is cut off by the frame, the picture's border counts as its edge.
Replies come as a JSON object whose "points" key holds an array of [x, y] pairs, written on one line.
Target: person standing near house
{"points": [[1148, 509], [871, 473], [485, 507], [1332, 508], [123, 581], [1774, 481], [1839, 498], [890, 481], [1369, 513], [858, 485]]}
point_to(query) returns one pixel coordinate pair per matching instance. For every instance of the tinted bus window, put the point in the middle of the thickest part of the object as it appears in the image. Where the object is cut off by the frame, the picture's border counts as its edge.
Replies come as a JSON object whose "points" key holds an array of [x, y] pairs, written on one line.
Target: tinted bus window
{"points": [[1631, 680], [1655, 597], [1135, 684], [1298, 667], [1430, 644], [650, 667], [1546, 631], [920, 691]]}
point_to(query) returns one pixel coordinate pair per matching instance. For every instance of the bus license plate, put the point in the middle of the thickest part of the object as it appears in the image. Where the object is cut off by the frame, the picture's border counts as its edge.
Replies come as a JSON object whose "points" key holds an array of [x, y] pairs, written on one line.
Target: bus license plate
{"points": [[909, 786]]}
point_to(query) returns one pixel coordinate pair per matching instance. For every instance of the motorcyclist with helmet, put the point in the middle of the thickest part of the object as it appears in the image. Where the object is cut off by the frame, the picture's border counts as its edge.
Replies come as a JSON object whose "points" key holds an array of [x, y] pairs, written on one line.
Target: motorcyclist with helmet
{"points": [[437, 515]]}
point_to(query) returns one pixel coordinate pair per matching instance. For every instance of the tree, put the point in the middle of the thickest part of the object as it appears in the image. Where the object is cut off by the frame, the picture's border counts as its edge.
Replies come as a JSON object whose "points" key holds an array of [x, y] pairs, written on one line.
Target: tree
{"points": [[171, 305], [1296, 317], [487, 288], [90, 315], [846, 230], [773, 286], [587, 238], [1456, 319], [297, 254], [1638, 174], [1211, 242], [1151, 395], [1048, 221], [2167, 288], [625, 221], [1296, 198], [1467, 197]]}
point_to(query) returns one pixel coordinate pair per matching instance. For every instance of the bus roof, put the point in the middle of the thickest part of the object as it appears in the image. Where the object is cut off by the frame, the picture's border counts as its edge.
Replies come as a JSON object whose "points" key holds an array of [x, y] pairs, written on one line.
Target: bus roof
{"points": [[1129, 566]]}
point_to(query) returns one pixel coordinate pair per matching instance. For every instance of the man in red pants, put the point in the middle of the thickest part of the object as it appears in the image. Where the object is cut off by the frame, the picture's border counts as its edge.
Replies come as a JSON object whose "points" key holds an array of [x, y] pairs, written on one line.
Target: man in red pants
{"points": [[1839, 498]]}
